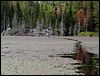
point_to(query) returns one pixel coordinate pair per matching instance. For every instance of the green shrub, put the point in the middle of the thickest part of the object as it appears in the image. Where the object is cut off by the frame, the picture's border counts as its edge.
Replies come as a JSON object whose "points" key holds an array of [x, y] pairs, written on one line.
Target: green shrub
{"points": [[88, 34]]}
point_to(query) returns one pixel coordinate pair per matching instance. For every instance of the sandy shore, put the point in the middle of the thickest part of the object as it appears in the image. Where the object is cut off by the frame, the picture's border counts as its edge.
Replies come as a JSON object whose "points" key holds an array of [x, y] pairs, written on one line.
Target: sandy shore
{"points": [[30, 56]]}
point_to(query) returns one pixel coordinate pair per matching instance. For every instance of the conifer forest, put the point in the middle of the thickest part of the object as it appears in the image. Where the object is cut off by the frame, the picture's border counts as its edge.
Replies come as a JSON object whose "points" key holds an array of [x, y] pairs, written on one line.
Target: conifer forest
{"points": [[50, 37], [41, 18]]}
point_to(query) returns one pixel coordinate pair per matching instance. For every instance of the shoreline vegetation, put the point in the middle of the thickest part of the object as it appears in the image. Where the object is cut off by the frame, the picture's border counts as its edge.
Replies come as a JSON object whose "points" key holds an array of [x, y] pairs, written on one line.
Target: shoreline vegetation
{"points": [[44, 18]]}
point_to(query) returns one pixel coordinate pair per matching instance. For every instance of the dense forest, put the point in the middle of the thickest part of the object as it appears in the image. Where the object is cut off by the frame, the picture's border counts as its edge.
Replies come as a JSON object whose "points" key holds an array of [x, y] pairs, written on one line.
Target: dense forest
{"points": [[61, 18]]}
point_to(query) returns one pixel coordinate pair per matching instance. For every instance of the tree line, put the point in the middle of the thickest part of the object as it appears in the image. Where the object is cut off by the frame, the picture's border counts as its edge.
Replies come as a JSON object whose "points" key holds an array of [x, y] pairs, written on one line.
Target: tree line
{"points": [[64, 17]]}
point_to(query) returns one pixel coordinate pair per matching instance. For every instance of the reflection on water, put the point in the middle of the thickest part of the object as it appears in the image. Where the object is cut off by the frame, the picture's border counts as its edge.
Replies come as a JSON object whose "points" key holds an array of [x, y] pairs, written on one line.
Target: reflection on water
{"points": [[88, 62]]}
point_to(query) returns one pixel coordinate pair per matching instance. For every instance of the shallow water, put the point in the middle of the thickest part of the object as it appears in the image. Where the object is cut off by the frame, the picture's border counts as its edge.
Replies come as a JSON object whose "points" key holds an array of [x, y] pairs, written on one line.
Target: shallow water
{"points": [[89, 63]]}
